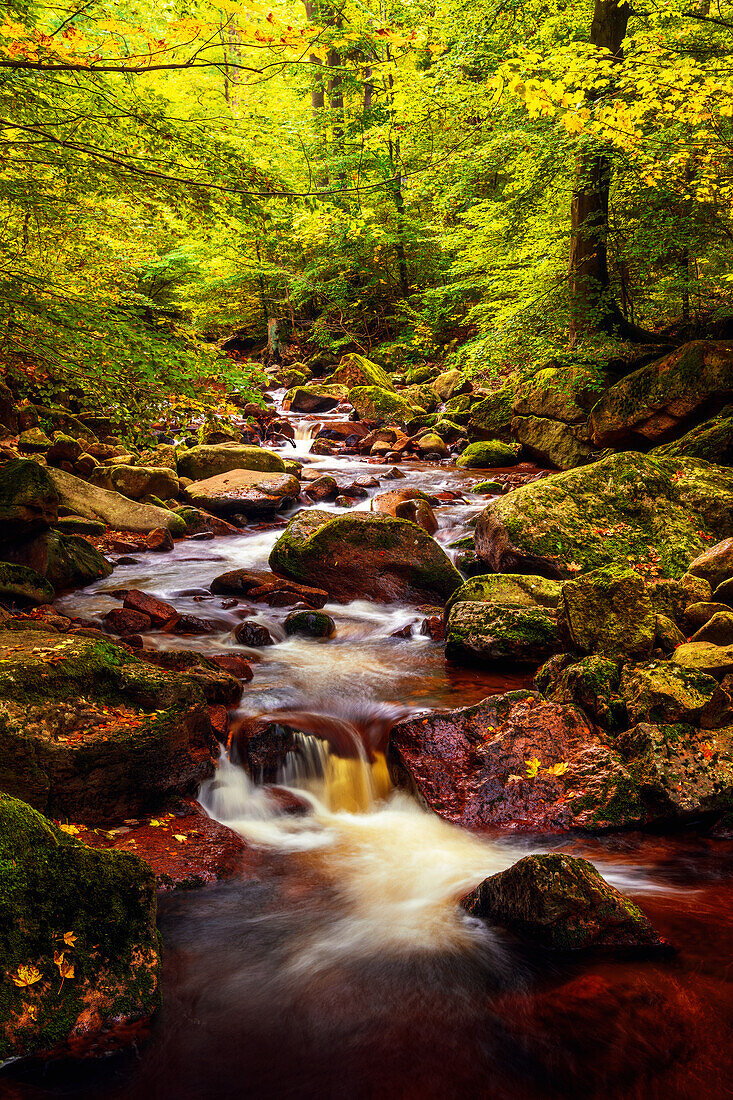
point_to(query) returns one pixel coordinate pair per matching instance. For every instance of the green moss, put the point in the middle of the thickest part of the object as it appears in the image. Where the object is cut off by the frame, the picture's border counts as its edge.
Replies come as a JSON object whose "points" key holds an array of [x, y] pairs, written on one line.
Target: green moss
{"points": [[374, 403], [487, 454]]}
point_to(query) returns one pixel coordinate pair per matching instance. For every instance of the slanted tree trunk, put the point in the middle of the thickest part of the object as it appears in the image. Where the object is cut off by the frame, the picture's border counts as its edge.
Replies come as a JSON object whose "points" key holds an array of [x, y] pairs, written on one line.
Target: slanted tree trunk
{"points": [[592, 307]]}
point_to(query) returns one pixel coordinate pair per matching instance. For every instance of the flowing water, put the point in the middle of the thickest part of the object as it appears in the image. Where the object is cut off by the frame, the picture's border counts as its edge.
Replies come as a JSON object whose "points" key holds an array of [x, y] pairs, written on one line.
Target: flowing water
{"points": [[342, 966]]}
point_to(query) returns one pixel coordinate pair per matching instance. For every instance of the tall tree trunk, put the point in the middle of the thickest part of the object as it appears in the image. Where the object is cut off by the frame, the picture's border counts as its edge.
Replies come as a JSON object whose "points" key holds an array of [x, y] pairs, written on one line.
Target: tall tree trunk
{"points": [[592, 307]]}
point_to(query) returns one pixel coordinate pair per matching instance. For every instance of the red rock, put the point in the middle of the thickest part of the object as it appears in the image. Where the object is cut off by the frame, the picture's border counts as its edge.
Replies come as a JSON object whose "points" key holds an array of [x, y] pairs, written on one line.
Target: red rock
{"points": [[288, 802], [123, 620], [234, 664], [122, 546], [433, 627], [191, 624], [252, 634], [159, 540], [158, 611], [219, 716], [259, 584]]}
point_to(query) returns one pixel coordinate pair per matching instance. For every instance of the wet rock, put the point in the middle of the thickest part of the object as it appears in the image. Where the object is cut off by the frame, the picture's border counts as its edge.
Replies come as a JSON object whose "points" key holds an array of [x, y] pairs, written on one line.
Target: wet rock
{"points": [[192, 625], [113, 509], [312, 624], [323, 488], [663, 692], [258, 584], [89, 732], [626, 507], [122, 620], [66, 561], [365, 555], [563, 904], [21, 586], [288, 802], [551, 442], [491, 452], [431, 444], [234, 664], [201, 463], [408, 504], [247, 491], [433, 627], [718, 630], [158, 611], [487, 634], [252, 634], [593, 683], [63, 905], [312, 399], [608, 611], [219, 685], [654, 403], [715, 564], [28, 501], [160, 540]]}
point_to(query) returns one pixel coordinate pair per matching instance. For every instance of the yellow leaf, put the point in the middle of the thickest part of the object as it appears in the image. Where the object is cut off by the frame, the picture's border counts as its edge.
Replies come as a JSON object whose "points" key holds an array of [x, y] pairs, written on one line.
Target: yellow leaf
{"points": [[180, 837], [70, 829], [558, 769], [533, 766], [26, 975], [69, 939]]}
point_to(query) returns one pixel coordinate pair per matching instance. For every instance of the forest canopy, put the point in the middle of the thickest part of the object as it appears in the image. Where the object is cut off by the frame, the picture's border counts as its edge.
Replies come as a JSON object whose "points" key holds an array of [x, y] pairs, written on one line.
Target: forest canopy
{"points": [[494, 184]]}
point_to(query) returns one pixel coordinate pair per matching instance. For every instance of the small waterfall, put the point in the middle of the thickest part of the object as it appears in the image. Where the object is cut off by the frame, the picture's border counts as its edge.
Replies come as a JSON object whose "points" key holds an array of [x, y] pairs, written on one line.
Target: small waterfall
{"points": [[305, 434], [351, 784]]}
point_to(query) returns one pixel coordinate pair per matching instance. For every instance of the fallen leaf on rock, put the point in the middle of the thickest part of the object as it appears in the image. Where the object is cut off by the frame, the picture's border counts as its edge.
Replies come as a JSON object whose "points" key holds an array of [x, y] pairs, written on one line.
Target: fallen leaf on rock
{"points": [[26, 975]]}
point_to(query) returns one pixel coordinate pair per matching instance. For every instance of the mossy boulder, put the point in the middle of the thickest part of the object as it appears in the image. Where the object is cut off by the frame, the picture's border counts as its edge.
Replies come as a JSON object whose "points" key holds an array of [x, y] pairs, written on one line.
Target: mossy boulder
{"points": [[198, 463], [89, 732], [356, 370], [657, 513], [66, 909], [33, 441], [28, 500], [508, 590], [609, 611], [551, 442], [656, 402], [487, 634], [311, 624], [422, 397], [137, 482], [243, 491], [310, 399], [487, 454], [715, 660], [591, 683], [491, 418], [562, 903], [79, 498], [66, 561], [664, 692], [23, 586], [364, 555], [559, 392], [375, 403], [451, 383], [712, 441]]}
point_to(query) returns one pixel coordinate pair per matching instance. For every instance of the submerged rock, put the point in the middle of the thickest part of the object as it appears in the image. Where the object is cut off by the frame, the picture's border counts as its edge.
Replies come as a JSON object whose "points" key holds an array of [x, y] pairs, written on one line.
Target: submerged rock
{"points": [[627, 507], [564, 904], [365, 555], [79, 949], [91, 733]]}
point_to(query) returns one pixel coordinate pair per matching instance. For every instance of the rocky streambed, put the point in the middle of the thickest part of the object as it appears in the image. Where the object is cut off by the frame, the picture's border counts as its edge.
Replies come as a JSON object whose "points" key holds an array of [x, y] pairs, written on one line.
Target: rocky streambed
{"points": [[362, 726]]}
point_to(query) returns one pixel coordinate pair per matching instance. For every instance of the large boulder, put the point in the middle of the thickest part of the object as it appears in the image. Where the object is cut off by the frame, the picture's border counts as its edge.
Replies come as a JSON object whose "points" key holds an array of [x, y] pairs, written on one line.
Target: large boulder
{"points": [[199, 463], [356, 370], [665, 692], [592, 683], [508, 590], [28, 500], [23, 586], [561, 393], [551, 442], [564, 904], [654, 403], [365, 555], [488, 454], [655, 513], [715, 564], [89, 732], [376, 403], [79, 949], [609, 611], [712, 441], [79, 498], [311, 399], [66, 561], [492, 417], [243, 491], [451, 383], [137, 482], [485, 634]]}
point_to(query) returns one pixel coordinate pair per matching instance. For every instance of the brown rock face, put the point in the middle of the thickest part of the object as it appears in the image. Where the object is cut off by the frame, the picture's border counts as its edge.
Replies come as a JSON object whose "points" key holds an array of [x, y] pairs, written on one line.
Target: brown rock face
{"points": [[260, 586], [158, 611], [250, 492], [471, 766]]}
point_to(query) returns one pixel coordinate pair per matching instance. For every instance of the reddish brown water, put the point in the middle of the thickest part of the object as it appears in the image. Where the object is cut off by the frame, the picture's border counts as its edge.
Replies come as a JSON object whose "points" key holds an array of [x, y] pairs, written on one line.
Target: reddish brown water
{"points": [[344, 969]]}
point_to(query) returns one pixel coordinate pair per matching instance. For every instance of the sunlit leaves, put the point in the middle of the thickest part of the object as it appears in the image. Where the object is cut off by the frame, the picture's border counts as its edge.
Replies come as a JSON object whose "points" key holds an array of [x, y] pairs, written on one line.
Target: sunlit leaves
{"points": [[26, 975]]}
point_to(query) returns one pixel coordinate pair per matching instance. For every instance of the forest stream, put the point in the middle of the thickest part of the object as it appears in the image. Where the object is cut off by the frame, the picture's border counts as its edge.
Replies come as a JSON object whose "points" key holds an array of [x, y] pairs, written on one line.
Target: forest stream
{"points": [[340, 964]]}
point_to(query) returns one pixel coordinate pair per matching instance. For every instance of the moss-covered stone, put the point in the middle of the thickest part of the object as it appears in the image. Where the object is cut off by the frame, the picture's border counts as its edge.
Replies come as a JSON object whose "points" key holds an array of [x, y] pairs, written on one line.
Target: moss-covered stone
{"points": [[560, 392], [89, 732], [712, 441], [357, 370], [488, 454], [82, 499], [311, 624], [375, 403], [562, 903], [73, 562], [487, 634], [654, 513], [492, 417], [508, 590], [28, 500], [551, 442], [608, 611], [663, 692], [364, 554], [138, 482], [33, 441], [63, 905], [591, 683], [422, 397], [23, 586], [208, 461]]}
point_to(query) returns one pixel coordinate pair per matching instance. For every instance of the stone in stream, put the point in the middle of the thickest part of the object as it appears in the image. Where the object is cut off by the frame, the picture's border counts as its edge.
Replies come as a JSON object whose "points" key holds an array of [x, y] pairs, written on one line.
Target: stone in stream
{"points": [[247, 491], [257, 584], [91, 733], [201, 462], [122, 620], [311, 399], [408, 504], [657, 401], [66, 561], [653, 513], [385, 406], [491, 418], [508, 590], [158, 611], [530, 763], [365, 555], [485, 634], [312, 624], [252, 634], [79, 947], [562, 903], [82, 499], [551, 442]]}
